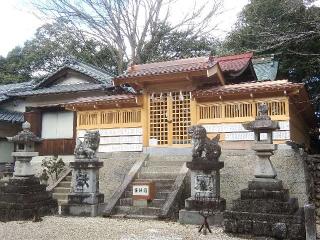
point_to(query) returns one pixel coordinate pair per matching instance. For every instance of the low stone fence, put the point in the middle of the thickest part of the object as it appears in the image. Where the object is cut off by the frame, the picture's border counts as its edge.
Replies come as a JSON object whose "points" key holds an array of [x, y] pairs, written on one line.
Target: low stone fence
{"points": [[313, 162]]}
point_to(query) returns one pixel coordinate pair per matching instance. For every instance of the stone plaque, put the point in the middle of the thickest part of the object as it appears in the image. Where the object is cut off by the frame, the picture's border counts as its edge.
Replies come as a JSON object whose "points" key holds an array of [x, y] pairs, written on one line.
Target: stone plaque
{"points": [[204, 183], [82, 181]]}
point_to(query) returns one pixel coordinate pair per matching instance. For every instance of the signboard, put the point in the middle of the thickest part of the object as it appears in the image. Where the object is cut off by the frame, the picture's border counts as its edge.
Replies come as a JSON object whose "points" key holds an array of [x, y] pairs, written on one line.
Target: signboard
{"points": [[143, 190]]}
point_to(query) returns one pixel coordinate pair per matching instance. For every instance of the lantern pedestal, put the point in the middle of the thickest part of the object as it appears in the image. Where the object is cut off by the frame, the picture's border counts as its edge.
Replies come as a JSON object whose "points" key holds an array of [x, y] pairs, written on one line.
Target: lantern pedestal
{"points": [[205, 194], [265, 207], [85, 198], [22, 197]]}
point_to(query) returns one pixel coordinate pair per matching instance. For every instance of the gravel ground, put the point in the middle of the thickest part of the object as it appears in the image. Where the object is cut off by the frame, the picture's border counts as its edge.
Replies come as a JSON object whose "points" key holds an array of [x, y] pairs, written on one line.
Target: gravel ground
{"points": [[68, 228]]}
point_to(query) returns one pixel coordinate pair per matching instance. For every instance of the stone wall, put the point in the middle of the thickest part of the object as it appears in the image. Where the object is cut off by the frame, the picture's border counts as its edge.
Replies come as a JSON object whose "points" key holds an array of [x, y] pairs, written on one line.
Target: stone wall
{"points": [[239, 168], [314, 184]]}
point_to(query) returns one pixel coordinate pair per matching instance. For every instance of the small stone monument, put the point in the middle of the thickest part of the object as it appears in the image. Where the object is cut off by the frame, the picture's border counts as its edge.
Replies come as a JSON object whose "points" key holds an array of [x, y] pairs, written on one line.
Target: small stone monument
{"points": [[265, 208], [22, 196], [85, 198], [205, 180]]}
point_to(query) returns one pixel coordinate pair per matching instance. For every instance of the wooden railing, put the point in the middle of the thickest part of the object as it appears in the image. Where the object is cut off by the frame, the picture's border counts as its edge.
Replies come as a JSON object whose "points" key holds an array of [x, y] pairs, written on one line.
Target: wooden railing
{"points": [[239, 111], [109, 118]]}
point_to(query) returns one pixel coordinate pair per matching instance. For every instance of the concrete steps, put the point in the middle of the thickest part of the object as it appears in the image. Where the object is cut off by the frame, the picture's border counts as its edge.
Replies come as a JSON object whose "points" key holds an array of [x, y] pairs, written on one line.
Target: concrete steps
{"points": [[162, 170], [154, 203], [131, 210], [61, 191]]}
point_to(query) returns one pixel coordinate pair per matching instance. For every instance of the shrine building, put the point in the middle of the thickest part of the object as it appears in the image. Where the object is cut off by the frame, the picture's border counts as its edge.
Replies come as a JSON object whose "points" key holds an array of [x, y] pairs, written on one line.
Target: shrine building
{"points": [[160, 100]]}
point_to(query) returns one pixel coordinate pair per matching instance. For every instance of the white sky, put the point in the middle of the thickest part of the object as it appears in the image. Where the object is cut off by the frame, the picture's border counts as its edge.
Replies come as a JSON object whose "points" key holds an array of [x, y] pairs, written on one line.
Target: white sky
{"points": [[18, 23]]}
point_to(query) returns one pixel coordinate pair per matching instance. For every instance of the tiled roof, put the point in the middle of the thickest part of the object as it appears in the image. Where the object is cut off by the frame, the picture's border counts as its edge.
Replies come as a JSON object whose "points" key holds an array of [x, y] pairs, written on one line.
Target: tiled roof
{"points": [[96, 73], [106, 98], [234, 63], [11, 117], [265, 68], [228, 64], [56, 89], [15, 87], [249, 87]]}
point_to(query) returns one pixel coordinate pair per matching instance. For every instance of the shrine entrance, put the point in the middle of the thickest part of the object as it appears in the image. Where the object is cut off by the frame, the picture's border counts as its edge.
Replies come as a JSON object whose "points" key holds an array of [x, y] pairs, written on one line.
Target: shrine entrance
{"points": [[169, 119]]}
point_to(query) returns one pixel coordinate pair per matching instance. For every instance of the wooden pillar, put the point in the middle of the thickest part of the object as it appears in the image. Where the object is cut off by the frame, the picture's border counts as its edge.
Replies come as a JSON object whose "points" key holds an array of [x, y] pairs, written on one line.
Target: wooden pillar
{"points": [[145, 119], [193, 111]]}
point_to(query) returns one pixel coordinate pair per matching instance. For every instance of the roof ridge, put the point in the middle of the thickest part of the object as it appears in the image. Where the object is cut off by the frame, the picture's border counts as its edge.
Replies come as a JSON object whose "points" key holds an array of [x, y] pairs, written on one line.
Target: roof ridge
{"points": [[234, 57], [175, 60]]}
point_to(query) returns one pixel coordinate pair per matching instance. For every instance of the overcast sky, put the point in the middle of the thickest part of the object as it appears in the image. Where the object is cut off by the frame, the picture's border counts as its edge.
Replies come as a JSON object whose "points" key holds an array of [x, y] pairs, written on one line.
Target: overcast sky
{"points": [[18, 23]]}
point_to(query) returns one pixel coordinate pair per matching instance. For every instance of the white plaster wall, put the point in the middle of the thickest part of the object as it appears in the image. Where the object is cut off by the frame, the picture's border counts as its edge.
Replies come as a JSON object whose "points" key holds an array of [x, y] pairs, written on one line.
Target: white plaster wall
{"points": [[118, 139], [72, 79], [236, 132], [17, 105], [6, 148]]}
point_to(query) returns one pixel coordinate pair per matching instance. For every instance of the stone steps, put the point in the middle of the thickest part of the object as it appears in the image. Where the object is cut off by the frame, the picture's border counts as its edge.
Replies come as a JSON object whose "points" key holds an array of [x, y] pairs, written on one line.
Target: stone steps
{"points": [[160, 184], [64, 184], [164, 158], [162, 170], [154, 203], [60, 196], [131, 210], [164, 163], [159, 195], [157, 175], [61, 191]]}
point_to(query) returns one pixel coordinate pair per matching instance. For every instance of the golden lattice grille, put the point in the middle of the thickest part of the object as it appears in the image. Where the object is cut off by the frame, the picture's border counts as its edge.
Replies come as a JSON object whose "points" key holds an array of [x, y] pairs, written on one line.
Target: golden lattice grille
{"points": [[170, 118], [181, 118], [158, 118], [109, 118]]}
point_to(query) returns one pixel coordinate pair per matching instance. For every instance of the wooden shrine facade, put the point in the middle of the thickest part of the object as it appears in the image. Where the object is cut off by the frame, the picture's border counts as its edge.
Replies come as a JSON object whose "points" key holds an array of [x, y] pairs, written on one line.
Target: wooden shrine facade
{"points": [[219, 93]]}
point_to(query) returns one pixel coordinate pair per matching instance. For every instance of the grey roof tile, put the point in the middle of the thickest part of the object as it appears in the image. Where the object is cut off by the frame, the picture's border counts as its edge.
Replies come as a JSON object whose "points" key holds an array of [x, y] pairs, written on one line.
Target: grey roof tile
{"points": [[96, 73], [56, 89], [10, 116], [7, 89]]}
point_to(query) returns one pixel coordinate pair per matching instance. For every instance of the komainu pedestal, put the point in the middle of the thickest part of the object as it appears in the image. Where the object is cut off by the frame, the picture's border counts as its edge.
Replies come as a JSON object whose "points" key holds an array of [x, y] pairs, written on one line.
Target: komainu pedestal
{"points": [[205, 181], [22, 197], [265, 207], [85, 198]]}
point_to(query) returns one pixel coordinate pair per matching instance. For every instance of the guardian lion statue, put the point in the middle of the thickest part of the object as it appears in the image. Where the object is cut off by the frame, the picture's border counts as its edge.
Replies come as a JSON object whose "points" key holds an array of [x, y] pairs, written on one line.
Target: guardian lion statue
{"points": [[204, 148], [88, 147]]}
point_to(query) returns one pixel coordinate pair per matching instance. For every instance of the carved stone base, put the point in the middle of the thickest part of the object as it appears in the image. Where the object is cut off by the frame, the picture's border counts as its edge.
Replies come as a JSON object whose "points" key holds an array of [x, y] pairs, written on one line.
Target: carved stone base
{"points": [[194, 217], [25, 198], [83, 210], [84, 204], [268, 184], [217, 204]]}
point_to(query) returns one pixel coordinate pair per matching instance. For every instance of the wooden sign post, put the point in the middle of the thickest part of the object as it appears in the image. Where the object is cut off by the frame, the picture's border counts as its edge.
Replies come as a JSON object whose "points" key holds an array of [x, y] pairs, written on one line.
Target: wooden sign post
{"points": [[143, 193]]}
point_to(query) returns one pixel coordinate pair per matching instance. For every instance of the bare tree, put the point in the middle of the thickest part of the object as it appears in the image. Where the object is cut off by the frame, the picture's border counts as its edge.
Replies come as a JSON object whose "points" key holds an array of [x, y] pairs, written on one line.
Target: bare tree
{"points": [[126, 25]]}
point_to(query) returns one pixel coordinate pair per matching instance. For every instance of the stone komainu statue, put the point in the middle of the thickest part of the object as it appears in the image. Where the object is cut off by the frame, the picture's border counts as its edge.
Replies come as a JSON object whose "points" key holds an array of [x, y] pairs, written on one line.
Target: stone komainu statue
{"points": [[88, 147], [202, 145]]}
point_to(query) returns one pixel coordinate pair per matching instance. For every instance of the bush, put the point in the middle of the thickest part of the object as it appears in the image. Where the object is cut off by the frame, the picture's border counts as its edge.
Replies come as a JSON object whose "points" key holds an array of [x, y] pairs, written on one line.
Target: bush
{"points": [[53, 166]]}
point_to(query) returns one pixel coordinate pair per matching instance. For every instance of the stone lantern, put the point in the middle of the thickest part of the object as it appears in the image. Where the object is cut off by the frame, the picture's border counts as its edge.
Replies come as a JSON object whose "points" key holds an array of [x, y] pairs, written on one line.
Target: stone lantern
{"points": [[265, 207], [22, 197], [25, 150], [265, 174]]}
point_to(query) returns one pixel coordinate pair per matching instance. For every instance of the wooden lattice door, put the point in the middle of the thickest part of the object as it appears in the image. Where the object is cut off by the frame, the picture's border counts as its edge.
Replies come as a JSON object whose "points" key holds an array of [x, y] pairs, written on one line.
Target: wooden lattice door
{"points": [[181, 117], [169, 118], [158, 112]]}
